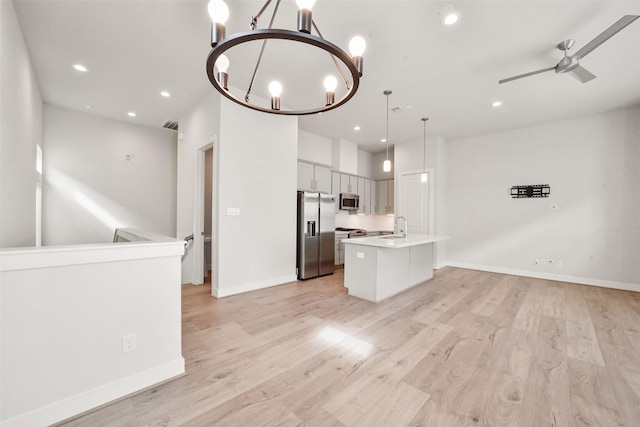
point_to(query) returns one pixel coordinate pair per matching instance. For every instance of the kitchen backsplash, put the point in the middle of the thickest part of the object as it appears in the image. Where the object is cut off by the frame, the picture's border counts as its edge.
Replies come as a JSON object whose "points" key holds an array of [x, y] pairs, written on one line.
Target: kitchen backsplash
{"points": [[368, 222]]}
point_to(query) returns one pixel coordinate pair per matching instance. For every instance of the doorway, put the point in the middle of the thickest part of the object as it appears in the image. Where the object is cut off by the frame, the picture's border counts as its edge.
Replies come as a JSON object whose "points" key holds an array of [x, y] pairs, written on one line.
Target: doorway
{"points": [[416, 202], [208, 211], [205, 237]]}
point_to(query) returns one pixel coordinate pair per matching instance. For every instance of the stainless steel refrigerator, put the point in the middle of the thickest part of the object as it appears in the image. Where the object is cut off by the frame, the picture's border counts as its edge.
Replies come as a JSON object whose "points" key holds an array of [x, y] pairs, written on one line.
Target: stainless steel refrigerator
{"points": [[316, 234]]}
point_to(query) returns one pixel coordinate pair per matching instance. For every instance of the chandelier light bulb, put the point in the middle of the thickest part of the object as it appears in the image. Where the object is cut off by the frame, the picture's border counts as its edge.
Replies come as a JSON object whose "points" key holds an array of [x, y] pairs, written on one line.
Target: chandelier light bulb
{"points": [[330, 83], [218, 11], [386, 166], [357, 45], [222, 63], [305, 4], [275, 88]]}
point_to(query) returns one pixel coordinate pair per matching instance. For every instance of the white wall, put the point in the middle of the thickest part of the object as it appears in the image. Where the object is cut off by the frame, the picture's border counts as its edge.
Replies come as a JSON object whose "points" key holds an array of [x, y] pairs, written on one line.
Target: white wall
{"points": [[314, 148], [89, 186], [591, 164], [258, 175], [20, 132], [345, 156], [365, 164], [61, 350], [256, 172]]}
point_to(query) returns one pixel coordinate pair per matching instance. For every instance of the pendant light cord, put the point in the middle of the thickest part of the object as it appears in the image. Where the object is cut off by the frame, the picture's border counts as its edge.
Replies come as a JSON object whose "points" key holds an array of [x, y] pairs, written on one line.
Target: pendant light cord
{"points": [[388, 92], [424, 145]]}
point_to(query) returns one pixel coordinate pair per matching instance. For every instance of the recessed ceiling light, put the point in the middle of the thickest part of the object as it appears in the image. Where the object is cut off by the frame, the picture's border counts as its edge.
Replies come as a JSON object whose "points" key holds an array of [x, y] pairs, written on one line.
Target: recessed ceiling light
{"points": [[80, 67], [165, 94], [449, 15], [89, 107], [496, 103], [356, 128], [383, 140], [131, 114]]}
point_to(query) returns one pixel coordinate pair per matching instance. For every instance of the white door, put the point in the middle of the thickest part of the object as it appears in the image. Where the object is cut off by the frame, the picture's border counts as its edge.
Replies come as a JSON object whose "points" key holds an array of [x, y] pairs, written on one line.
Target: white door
{"points": [[414, 202]]}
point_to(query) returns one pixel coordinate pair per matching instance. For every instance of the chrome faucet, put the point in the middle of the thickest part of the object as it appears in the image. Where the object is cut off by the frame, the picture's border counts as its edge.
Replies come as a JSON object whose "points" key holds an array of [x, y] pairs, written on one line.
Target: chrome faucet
{"points": [[395, 226]]}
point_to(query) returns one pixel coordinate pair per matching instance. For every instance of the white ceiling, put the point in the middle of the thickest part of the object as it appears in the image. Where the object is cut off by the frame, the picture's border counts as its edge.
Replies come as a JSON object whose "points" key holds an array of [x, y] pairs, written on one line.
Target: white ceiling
{"points": [[135, 49]]}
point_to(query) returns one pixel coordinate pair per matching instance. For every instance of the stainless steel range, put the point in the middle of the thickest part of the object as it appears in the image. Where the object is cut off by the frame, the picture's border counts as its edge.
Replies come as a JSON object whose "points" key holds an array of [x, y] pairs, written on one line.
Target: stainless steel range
{"points": [[345, 233], [353, 232]]}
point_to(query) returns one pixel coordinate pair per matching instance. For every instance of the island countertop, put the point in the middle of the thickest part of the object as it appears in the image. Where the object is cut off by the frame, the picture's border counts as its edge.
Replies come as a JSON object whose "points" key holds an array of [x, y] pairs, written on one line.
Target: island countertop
{"points": [[396, 242]]}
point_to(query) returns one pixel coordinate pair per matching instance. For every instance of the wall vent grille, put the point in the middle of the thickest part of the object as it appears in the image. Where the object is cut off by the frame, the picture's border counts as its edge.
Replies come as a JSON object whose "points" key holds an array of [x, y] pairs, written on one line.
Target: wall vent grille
{"points": [[171, 124]]}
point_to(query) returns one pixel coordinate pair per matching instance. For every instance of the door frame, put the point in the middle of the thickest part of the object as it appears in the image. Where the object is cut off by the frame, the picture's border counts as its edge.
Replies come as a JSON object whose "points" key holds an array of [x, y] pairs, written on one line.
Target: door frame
{"points": [[430, 182], [432, 210], [198, 214]]}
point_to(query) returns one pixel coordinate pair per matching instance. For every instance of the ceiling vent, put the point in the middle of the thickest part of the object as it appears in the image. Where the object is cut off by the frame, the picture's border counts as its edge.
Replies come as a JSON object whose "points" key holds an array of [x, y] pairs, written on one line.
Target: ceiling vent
{"points": [[401, 108], [171, 124]]}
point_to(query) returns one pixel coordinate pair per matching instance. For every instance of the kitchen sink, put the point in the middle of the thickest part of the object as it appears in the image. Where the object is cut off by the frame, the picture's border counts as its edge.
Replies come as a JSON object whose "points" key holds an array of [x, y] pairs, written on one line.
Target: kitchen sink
{"points": [[393, 236]]}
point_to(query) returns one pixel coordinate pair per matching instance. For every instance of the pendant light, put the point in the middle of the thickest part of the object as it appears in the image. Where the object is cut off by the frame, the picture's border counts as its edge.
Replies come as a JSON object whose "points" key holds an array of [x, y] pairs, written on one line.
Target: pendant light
{"points": [[386, 166], [423, 177]]}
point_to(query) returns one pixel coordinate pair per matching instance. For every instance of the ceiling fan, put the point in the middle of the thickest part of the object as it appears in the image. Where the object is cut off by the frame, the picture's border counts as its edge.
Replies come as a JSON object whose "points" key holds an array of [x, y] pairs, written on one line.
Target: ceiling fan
{"points": [[571, 64]]}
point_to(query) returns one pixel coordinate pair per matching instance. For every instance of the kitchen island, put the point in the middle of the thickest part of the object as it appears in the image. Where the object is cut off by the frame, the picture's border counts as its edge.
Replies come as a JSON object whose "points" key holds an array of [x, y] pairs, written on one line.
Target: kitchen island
{"points": [[377, 268]]}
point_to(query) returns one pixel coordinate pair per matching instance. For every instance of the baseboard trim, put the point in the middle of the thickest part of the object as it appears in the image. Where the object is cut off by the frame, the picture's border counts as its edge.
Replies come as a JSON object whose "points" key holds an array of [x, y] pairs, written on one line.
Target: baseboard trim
{"points": [[83, 402], [253, 286], [548, 276]]}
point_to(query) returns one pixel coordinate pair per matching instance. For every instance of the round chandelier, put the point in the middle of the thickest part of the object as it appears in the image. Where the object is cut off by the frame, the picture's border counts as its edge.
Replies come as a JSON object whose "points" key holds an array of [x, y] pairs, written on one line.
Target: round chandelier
{"points": [[218, 63]]}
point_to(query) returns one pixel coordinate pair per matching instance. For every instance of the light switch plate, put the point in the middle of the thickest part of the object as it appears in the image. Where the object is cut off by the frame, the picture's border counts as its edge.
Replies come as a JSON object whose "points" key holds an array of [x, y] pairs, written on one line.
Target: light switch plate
{"points": [[233, 211], [360, 254]]}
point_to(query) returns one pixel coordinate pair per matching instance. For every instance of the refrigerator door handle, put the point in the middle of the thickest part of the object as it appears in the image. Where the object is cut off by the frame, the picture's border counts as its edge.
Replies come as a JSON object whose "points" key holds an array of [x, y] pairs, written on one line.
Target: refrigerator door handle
{"points": [[311, 228]]}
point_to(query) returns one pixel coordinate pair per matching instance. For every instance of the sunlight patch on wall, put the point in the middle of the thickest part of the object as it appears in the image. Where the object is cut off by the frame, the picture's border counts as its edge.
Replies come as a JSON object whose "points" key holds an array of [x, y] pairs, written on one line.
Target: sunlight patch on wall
{"points": [[96, 204]]}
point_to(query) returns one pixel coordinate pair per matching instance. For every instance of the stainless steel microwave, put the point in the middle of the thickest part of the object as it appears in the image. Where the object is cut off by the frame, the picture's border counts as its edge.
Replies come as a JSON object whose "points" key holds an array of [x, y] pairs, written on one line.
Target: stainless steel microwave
{"points": [[349, 202]]}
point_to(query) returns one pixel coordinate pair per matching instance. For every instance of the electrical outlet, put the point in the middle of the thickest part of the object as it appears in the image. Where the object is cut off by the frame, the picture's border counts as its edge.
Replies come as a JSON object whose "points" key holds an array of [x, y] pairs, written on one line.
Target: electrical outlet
{"points": [[559, 263], [128, 343], [537, 261], [252, 268], [543, 262]]}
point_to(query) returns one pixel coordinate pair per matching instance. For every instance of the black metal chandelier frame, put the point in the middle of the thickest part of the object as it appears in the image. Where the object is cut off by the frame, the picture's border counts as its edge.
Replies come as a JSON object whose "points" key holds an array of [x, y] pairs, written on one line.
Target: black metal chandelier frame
{"points": [[219, 47]]}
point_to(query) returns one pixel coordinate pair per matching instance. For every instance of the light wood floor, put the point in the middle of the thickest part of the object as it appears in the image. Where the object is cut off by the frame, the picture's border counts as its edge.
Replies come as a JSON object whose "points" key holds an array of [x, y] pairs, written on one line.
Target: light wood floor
{"points": [[467, 348]]}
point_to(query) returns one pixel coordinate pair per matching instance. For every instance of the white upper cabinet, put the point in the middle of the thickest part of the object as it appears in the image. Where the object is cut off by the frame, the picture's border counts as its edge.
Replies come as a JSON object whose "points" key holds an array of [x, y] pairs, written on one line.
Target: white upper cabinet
{"points": [[385, 197], [348, 184], [313, 177], [323, 178]]}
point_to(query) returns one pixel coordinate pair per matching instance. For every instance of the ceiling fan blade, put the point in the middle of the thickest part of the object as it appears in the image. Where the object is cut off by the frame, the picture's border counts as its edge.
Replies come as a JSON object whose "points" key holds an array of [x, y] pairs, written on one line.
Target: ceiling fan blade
{"points": [[526, 75], [582, 74], [605, 35]]}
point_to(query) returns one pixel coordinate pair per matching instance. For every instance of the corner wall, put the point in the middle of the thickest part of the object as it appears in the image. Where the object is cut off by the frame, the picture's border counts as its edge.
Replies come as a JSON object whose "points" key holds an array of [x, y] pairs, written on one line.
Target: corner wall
{"points": [[256, 172], [90, 185], [20, 132], [591, 164]]}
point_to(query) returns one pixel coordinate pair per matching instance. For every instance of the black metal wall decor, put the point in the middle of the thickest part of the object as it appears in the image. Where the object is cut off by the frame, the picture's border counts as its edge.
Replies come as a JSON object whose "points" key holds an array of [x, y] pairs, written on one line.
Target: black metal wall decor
{"points": [[526, 191]]}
